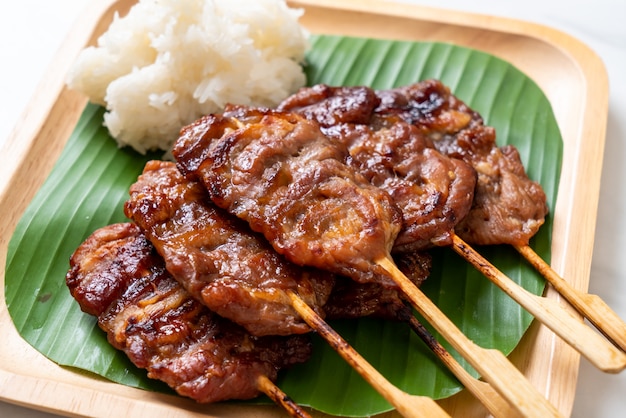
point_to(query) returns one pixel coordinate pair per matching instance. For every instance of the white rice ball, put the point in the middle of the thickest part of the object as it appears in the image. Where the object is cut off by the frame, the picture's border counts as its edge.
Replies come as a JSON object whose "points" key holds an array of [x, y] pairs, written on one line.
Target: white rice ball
{"points": [[168, 62]]}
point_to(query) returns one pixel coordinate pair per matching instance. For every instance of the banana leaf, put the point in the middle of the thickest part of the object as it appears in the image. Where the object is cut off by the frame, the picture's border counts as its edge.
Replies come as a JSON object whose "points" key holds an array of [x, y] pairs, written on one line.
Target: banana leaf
{"points": [[89, 184]]}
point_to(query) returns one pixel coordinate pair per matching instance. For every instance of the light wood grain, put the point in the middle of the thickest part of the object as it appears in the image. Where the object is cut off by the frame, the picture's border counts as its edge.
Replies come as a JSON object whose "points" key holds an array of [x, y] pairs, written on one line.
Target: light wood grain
{"points": [[593, 346], [409, 406], [492, 365], [481, 390], [592, 307], [570, 74]]}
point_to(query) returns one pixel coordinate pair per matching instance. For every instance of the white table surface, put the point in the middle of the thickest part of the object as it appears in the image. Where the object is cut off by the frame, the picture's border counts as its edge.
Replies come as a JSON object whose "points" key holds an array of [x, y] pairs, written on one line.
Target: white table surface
{"points": [[32, 30]]}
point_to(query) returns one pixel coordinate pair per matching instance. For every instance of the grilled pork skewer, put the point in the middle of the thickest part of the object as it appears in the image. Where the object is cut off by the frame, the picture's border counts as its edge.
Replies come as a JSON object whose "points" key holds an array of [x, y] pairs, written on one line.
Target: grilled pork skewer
{"points": [[208, 251], [511, 216], [216, 257], [117, 276], [434, 192], [278, 172], [508, 207], [375, 129]]}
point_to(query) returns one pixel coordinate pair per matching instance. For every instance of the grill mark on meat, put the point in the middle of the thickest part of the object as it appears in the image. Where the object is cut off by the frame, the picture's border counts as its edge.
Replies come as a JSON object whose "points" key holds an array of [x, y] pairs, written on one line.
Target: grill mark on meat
{"points": [[341, 104], [116, 275], [319, 212], [215, 256], [433, 191], [508, 207]]}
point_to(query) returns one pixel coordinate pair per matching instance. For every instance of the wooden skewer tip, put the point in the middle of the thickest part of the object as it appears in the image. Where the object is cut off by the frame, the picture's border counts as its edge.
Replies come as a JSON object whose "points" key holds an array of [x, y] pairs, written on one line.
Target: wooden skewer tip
{"points": [[600, 352], [588, 305], [280, 398], [491, 364], [409, 406]]}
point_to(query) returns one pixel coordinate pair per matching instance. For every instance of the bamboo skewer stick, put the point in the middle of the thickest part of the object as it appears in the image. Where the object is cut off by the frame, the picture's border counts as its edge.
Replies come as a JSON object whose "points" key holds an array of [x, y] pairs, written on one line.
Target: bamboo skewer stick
{"points": [[493, 366], [585, 340], [483, 391], [280, 398], [590, 306], [409, 406]]}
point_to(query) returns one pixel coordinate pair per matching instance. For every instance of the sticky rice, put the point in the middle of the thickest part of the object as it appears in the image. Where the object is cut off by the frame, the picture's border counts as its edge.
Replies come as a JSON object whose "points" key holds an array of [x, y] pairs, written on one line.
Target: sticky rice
{"points": [[168, 62]]}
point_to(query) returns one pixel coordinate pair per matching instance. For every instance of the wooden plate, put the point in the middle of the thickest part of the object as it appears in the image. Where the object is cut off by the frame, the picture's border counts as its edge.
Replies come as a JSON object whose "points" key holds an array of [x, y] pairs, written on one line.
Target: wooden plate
{"points": [[570, 74]]}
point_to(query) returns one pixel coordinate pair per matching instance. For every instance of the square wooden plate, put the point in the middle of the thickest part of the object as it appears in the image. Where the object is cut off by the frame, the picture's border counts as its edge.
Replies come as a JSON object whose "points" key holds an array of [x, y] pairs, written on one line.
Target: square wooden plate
{"points": [[570, 74]]}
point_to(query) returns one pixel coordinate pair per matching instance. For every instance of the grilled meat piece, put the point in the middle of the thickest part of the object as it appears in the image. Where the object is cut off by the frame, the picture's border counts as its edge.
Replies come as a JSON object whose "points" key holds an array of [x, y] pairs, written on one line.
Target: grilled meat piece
{"points": [[117, 276], [216, 257], [433, 191], [288, 181], [429, 106], [333, 106], [508, 207], [351, 300]]}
